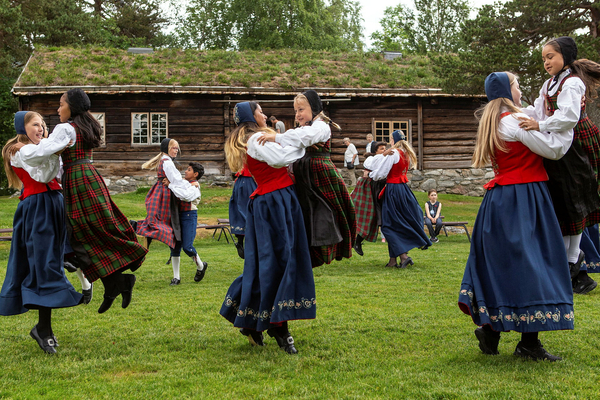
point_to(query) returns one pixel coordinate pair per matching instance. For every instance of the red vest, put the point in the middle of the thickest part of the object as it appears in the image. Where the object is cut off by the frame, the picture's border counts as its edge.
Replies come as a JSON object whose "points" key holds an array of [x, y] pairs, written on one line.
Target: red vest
{"points": [[267, 178], [518, 165], [244, 172], [31, 186], [398, 172], [185, 205]]}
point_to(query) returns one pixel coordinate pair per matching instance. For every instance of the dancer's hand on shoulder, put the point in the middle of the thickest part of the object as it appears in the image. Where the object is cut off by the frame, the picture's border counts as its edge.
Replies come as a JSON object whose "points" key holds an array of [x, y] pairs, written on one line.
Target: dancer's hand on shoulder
{"points": [[266, 137], [166, 182], [529, 124]]}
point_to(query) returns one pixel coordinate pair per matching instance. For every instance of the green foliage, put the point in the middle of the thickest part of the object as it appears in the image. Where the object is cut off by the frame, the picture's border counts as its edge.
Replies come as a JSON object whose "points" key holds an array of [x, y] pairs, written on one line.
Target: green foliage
{"points": [[269, 24], [433, 26], [509, 37]]}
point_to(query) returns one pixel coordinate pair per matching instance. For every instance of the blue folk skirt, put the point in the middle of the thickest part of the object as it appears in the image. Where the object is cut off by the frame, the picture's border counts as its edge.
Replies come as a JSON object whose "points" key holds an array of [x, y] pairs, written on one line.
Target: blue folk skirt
{"points": [[590, 244], [517, 274], [243, 187], [277, 284], [35, 276], [402, 220]]}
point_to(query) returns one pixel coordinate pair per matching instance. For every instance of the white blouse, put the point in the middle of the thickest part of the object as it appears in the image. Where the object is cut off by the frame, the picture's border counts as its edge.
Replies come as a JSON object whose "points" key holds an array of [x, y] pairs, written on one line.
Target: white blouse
{"points": [[39, 160], [185, 191], [549, 145], [274, 154], [305, 136], [380, 165], [568, 101]]}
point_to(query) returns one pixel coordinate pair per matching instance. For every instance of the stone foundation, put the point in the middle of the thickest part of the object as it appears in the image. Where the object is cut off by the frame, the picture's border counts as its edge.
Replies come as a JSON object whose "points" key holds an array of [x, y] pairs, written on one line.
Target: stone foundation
{"points": [[454, 181]]}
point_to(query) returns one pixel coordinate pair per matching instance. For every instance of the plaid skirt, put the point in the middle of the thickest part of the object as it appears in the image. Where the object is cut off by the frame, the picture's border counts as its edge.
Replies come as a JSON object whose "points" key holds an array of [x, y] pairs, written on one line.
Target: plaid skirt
{"points": [[157, 224], [98, 225], [366, 212], [330, 184]]}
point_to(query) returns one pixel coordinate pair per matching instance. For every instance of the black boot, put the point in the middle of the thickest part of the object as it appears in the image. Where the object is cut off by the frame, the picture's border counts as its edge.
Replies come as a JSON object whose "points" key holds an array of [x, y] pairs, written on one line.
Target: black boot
{"points": [[284, 338], [488, 340], [358, 245], [239, 245], [115, 284]]}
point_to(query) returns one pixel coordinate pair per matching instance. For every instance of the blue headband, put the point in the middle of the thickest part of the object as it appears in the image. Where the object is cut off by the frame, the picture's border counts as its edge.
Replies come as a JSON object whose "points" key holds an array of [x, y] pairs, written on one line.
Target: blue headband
{"points": [[20, 122], [497, 85], [243, 113], [398, 136]]}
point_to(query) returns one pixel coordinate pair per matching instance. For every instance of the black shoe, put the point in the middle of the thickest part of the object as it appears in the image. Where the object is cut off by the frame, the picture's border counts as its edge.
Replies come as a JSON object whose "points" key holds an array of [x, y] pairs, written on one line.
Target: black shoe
{"points": [[124, 287], [488, 342], [284, 340], [535, 353], [584, 285], [55, 341], [127, 289], [133, 224], [69, 266], [575, 267], [240, 249], [175, 282], [434, 239], [392, 264], [254, 337], [46, 344], [405, 263], [88, 294], [200, 274], [358, 249]]}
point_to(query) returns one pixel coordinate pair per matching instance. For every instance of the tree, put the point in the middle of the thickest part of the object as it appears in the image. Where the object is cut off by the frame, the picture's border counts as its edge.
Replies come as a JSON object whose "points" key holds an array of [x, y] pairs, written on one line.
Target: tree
{"points": [[272, 24], [433, 26], [509, 37]]}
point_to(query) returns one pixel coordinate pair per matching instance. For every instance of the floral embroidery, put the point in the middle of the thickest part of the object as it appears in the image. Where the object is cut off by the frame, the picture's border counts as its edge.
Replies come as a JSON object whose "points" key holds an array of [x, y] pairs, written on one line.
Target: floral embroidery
{"points": [[265, 315], [538, 316]]}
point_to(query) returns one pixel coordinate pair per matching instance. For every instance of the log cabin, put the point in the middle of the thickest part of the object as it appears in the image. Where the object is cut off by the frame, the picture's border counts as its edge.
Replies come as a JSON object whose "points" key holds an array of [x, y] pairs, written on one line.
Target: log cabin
{"points": [[189, 96]]}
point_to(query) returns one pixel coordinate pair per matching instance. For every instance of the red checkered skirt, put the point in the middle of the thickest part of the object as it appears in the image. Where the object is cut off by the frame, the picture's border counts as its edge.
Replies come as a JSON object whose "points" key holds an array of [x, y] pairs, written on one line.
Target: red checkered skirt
{"points": [[366, 214], [331, 185], [157, 224]]}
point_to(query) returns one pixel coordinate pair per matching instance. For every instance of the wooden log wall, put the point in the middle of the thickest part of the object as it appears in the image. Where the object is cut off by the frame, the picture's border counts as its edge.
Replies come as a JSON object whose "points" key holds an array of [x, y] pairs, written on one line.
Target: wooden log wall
{"points": [[443, 129]]}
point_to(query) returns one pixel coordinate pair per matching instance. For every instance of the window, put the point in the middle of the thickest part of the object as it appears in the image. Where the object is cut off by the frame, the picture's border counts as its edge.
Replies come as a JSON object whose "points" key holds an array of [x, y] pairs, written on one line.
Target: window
{"points": [[101, 118], [149, 128], [382, 130]]}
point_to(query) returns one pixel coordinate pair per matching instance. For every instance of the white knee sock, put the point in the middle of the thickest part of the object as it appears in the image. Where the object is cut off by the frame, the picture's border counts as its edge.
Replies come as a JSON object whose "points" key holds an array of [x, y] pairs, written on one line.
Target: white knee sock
{"points": [[175, 263], [573, 250], [199, 264], [85, 284]]}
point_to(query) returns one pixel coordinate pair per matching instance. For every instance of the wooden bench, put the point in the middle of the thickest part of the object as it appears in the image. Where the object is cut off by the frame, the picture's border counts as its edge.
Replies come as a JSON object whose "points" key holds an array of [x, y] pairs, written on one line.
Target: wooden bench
{"points": [[222, 227], [5, 238], [460, 224]]}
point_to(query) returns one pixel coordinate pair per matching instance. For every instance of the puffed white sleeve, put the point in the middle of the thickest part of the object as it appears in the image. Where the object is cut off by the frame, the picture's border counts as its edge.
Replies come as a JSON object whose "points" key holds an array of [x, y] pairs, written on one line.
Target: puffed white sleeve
{"points": [[569, 107], [184, 190], [36, 154], [549, 145], [172, 173], [305, 136], [273, 153], [381, 165], [43, 172], [537, 111]]}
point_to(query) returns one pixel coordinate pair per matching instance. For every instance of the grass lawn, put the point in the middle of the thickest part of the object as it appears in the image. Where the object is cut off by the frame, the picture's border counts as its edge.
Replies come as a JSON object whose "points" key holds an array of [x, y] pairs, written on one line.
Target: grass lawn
{"points": [[379, 333]]}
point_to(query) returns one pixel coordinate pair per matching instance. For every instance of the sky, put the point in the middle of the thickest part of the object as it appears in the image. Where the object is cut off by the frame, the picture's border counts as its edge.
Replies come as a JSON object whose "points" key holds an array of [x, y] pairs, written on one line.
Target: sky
{"points": [[372, 12]]}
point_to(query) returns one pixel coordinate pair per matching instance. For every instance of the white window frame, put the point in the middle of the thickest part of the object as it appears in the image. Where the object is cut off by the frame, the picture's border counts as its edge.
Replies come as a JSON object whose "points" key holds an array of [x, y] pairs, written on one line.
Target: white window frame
{"points": [[382, 132], [149, 128], [101, 118]]}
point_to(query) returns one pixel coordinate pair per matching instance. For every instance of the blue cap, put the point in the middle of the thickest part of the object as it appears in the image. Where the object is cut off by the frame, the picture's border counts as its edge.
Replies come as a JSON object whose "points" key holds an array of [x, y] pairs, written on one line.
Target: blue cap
{"points": [[497, 85], [398, 136], [243, 113], [20, 122]]}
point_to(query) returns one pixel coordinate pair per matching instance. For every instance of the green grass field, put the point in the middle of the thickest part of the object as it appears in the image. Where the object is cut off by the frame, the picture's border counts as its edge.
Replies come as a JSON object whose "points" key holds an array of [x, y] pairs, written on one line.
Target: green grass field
{"points": [[379, 333]]}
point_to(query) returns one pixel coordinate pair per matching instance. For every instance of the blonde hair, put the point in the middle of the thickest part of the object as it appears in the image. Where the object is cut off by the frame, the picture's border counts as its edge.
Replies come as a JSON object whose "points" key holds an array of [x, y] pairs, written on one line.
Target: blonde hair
{"points": [[154, 161], [235, 144], [9, 150], [488, 135], [404, 146], [321, 115]]}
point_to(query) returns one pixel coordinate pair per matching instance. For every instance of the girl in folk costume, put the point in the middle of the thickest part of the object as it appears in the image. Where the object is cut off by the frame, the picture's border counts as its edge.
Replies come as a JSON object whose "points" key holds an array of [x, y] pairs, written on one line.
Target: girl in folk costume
{"points": [[402, 217], [277, 284], [574, 181], [365, 197], [162, 221], [328, 211], [35, 278], [103, 241], [516, 277], [243, 187]]}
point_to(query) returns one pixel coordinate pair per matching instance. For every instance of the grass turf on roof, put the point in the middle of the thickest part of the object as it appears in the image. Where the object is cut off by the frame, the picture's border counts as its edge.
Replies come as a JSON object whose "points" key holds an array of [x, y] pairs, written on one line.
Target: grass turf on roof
{"points": [[285, 69]]}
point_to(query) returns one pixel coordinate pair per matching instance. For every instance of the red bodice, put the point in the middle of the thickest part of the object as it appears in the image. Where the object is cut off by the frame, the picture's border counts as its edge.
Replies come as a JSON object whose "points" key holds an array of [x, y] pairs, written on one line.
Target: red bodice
{"points": [[244, 172], [398, 172], [31, 186], [267, 178]]}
